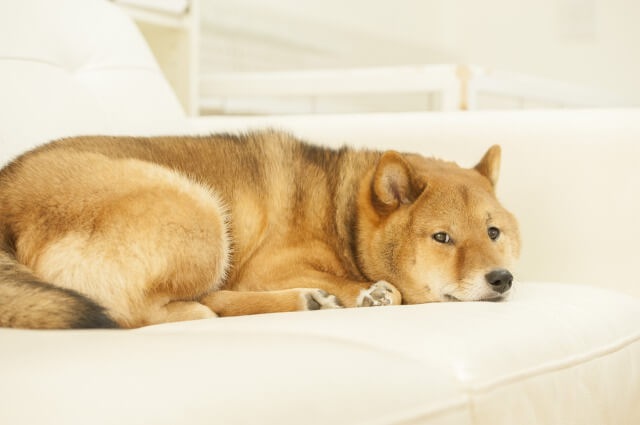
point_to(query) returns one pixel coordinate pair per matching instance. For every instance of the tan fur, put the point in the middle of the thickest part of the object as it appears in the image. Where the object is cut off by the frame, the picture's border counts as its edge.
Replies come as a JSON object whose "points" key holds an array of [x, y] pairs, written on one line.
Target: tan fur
{"points": [[154, 230]]}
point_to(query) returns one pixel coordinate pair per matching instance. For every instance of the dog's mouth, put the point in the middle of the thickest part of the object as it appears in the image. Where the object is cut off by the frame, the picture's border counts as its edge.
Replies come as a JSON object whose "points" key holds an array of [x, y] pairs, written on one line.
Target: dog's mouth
{"points": [[493, 298], [496, 298]]}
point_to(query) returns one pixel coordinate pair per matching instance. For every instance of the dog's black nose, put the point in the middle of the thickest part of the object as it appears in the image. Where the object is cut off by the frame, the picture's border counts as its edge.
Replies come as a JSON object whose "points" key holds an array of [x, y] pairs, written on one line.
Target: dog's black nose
{"points": [[499, 279]]}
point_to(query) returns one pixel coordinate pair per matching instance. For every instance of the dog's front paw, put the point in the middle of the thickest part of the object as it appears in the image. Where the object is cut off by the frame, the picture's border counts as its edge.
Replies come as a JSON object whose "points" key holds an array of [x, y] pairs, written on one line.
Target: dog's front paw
{"points": [[317, 299], [380, 293]]}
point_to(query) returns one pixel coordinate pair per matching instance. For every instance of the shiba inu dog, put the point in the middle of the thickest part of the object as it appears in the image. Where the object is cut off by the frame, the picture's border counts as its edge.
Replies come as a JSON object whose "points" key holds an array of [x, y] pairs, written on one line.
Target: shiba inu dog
{"points": [[125, 232]]}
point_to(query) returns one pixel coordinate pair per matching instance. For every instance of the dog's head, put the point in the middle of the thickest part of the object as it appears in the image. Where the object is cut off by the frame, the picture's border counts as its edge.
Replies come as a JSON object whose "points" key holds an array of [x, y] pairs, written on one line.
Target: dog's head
{"points": [[436, 230]]}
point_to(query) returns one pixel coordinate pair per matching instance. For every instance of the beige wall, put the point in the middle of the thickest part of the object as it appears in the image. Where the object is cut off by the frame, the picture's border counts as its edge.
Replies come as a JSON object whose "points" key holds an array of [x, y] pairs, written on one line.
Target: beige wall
{"points": [[591, 42]]}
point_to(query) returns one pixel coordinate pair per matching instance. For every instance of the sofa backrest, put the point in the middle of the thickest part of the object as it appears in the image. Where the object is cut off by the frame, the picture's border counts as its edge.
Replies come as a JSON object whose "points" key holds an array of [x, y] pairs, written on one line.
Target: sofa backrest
{"points": [[75, 66]]}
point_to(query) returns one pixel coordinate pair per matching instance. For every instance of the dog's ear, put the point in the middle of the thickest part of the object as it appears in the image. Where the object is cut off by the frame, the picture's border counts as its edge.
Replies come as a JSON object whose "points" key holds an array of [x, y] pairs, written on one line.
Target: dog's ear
{"points": [[489, 165], [394, 183]]}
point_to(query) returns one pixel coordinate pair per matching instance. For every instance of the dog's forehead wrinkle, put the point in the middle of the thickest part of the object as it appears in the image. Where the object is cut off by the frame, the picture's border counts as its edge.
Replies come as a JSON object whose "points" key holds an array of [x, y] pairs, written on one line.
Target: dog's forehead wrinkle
{"points": [[455, 203], [464, 194]]}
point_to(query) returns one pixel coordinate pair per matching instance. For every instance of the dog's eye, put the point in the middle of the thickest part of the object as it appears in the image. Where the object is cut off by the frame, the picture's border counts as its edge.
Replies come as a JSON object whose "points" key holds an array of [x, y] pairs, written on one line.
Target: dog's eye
{"points": [[493, 233], [442, 237]]}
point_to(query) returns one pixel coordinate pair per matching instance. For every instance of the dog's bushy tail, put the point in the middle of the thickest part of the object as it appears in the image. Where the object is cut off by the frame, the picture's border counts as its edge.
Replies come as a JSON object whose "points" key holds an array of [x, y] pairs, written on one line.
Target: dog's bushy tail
{"points": [[27, 302]]}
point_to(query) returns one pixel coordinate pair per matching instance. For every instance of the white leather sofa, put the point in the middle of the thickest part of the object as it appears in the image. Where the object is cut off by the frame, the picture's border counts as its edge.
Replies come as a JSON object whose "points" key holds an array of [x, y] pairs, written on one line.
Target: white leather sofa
{"points": [[564, 349]]}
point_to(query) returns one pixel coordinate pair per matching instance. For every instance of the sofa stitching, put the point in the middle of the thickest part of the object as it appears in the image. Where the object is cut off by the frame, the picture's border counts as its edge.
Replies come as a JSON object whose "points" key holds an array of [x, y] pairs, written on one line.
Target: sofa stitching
{"points": [[554, 366]]}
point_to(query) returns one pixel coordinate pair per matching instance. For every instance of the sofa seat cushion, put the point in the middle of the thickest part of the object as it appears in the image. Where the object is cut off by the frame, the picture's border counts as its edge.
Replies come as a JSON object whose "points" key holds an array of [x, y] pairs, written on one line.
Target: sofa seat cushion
{"points": [[552, 353]]}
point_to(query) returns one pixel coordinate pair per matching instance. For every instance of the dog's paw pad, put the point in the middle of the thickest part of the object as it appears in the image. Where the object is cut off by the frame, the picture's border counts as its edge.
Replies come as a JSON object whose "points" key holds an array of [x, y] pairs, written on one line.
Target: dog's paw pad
{"points": [[317, 299], [380, 293]]}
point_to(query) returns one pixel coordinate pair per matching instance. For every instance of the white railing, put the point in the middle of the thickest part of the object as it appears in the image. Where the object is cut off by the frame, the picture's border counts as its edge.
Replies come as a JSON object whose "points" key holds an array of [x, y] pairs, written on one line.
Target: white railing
{"points": [[449, 87]]}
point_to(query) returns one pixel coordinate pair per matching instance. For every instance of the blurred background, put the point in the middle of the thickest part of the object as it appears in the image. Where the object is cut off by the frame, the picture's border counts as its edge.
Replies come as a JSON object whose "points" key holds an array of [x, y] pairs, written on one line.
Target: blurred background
{"points": [[332, 56]]}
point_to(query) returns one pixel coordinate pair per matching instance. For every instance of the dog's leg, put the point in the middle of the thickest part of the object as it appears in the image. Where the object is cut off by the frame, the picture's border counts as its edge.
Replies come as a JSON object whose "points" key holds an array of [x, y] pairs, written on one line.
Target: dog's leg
{"points": [[358, 294], [178, 311], [361, 294], [311, 291], [151, 237], [237, 303]]}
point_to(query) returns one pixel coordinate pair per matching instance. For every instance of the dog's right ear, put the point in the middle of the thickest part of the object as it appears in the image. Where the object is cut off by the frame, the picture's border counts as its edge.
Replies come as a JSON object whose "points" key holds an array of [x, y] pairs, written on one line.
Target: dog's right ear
{"points": [[489, 165], [393, 184]]}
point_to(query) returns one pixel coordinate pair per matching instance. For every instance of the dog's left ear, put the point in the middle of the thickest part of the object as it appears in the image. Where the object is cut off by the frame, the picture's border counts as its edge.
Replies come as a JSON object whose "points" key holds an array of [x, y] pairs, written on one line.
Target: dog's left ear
{"points": [[489, 165], [394, 183]]}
